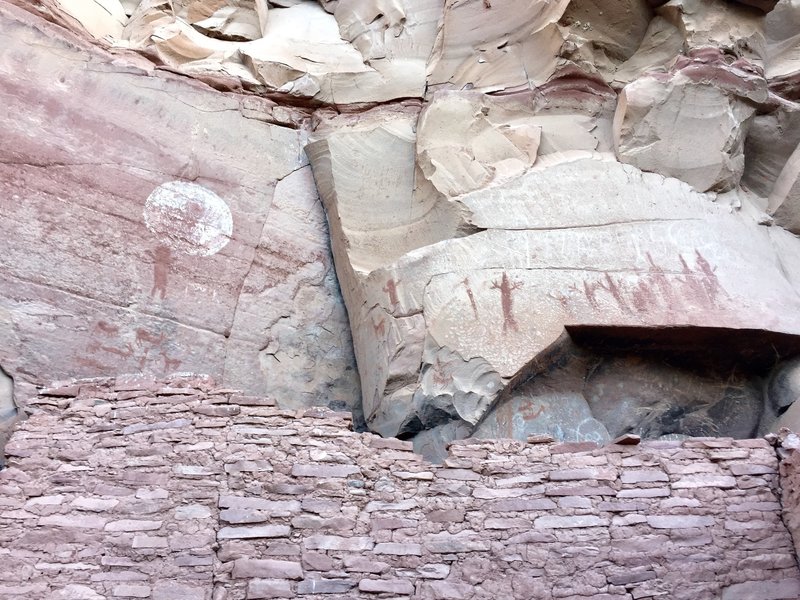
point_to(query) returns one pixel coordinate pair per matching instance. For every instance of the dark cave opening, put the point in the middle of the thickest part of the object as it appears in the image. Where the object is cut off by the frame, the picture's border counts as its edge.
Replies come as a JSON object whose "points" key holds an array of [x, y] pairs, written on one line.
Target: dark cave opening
{"points": [[597, 383]]}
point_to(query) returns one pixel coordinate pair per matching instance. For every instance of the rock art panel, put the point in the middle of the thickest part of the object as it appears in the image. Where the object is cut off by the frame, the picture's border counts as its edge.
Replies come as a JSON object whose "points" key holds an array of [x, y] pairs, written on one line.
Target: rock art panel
{"points": [[564, 417], [153, 224], [493, 175], [575, 243]]}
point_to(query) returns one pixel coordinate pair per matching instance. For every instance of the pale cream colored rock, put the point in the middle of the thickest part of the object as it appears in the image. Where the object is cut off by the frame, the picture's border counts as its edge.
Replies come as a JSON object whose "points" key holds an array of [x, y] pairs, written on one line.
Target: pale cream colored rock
{"points": [[662, 42], [300, 47], [467, 141], [129, 6], [575, 113], [236, 20], [363, 52], [771, 165], [599, 35], [154, 26], [564, 244], [746, 203], [364, 166], [496, 45], [783, 46], [689, 124], [101, 18], [617, 28], [728, 26], [281, 349], [370, 51], [784, 199], [773, 147], [771, 140]]}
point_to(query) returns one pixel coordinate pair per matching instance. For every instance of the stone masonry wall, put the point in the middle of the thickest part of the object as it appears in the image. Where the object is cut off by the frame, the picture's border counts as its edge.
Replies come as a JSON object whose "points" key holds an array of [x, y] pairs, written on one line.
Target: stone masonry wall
{"points": [[177, 490]]}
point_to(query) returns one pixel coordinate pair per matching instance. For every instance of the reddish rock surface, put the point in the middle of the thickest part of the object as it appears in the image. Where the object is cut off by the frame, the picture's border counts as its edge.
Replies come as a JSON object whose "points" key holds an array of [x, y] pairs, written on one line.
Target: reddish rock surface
{"points": [[153, 224]]}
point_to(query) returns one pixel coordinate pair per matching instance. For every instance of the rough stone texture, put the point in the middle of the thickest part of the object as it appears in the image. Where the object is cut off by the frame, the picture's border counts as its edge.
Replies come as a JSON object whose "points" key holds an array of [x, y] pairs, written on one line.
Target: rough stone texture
{"points": [[114, 490], [152, 224], [503, 220], [495, 172], [789, 450], [548, 251], [782, 28], [336, 52], [692, 124]]}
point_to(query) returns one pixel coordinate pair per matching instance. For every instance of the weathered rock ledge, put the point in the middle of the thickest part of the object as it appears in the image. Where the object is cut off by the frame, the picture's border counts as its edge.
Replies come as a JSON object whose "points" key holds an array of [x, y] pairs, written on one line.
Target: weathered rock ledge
{"points": [[179, 490]]}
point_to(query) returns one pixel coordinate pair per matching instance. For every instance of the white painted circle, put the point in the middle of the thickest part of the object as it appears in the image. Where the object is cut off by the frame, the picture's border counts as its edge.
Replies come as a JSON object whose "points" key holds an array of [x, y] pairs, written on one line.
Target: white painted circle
{"points": [[189, 218]]}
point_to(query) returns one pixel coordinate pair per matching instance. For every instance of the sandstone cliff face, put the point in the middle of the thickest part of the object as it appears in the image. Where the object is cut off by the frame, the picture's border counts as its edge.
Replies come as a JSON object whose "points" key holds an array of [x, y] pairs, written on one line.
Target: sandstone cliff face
{"points": [[528, 205], [151, 223]]}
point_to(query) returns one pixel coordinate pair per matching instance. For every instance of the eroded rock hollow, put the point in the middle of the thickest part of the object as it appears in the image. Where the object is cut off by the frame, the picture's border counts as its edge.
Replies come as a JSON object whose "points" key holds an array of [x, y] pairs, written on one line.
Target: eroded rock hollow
{"points": [[572, 218]]}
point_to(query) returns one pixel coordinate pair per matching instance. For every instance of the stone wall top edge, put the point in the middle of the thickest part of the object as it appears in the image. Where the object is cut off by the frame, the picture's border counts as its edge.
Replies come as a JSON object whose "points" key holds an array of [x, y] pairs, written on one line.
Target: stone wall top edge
{"points": [[194, 389]]}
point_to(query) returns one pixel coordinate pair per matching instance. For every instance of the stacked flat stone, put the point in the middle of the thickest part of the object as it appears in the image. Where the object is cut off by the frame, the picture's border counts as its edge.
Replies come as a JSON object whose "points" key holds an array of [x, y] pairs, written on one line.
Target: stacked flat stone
{"points": [[178, 490]]}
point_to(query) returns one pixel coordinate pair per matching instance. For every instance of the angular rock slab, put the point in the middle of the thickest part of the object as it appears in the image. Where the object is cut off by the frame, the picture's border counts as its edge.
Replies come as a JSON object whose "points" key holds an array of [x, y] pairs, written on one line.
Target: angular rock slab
{"points": [[149, 224], [498, 45], [729, 26], [691, 123], [349, 52], [782, 28], [442, 330]]}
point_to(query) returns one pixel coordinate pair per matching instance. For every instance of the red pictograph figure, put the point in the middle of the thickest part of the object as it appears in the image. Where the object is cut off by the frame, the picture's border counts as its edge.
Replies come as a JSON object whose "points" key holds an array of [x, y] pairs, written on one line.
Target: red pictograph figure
{"points": [[391, 289], [507, 302], [161, 266], [471, 297]]}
